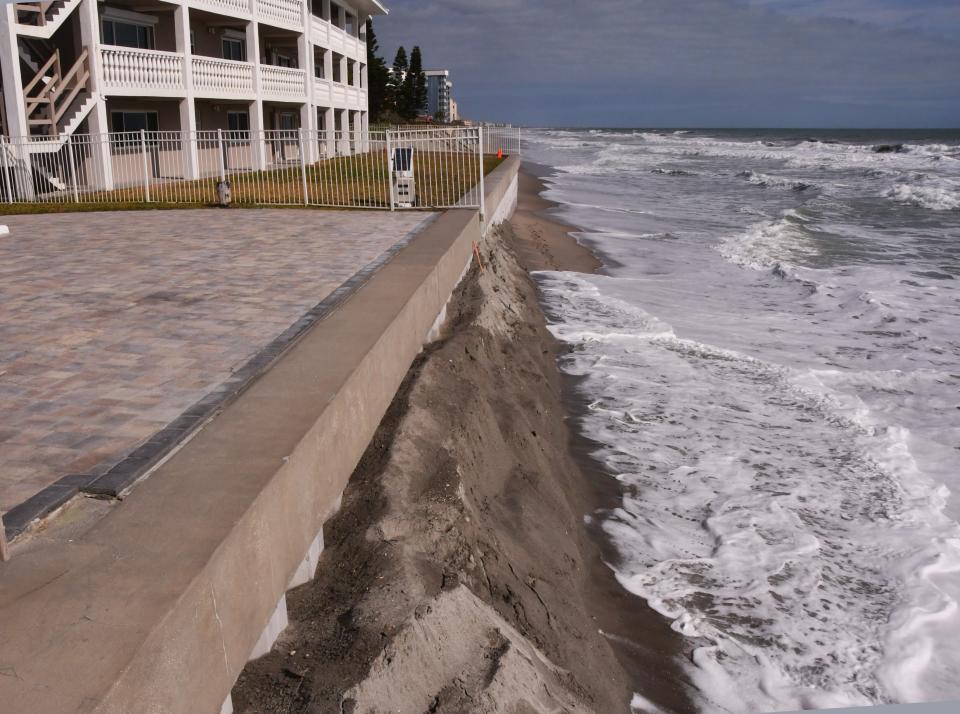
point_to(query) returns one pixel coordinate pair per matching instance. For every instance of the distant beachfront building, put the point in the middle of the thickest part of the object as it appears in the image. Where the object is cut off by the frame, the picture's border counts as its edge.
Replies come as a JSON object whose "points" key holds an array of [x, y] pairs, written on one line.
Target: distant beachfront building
{"points": [[454, 110], [90, 67], [439, 87]]}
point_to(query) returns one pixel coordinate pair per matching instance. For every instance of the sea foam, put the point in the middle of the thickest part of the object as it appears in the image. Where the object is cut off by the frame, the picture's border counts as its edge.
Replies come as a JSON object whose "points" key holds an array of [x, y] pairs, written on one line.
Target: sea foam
{"points": [[771, 376], [800, 504]]}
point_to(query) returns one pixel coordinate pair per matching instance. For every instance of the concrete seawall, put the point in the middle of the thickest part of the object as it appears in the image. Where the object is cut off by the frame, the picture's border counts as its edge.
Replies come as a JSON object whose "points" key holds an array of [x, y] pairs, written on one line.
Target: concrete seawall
{"points": [[158, 605]]}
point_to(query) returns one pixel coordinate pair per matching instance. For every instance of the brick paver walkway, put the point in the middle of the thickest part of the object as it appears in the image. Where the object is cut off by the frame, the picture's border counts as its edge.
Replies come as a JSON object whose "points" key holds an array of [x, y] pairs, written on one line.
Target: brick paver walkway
{"points": [[112, 324]]}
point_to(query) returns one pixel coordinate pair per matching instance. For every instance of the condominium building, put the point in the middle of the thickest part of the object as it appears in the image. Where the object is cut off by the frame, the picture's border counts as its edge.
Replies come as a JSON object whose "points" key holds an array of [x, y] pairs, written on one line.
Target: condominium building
{"points": [[75, 67], [438, 93]]}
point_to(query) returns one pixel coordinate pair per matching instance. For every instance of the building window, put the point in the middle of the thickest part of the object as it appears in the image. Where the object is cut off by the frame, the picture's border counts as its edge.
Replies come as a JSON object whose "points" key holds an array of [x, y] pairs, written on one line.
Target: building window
{"points": [[134, 121], [234, 49], [127, 33], [282, 61], [238, 121]]}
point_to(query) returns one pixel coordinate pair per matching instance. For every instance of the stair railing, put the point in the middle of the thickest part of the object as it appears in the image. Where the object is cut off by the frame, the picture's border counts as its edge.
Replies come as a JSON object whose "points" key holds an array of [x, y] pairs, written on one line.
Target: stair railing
{"points": [[76, 80], [46, 79], [58, 92]]}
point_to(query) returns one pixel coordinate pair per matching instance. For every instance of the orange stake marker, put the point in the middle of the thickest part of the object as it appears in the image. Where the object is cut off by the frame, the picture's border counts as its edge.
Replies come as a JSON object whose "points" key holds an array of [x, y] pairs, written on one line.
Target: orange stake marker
{"points": [[476, 252]]}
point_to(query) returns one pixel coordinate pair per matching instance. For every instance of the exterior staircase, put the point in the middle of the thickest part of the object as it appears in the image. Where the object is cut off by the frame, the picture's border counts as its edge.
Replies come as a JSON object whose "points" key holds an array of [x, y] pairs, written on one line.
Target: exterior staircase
{"points": [[34, 51], [56, 99], [43, 19], [56, 102], [72, 117], [51, 97]]}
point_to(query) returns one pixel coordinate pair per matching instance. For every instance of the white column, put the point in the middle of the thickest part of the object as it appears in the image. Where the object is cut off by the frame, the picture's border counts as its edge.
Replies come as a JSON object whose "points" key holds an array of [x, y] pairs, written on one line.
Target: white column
{"points": [[329, 122], [345, 132], [12, 79], [256, 106], [308, 115], [339, 117], [97, 119], [188, 113], [328, 64], [16, 109]]}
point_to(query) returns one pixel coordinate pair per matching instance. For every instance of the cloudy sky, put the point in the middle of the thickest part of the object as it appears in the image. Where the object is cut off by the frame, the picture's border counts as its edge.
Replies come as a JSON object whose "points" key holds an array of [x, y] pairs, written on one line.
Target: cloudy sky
{"points": [[708, 63]]}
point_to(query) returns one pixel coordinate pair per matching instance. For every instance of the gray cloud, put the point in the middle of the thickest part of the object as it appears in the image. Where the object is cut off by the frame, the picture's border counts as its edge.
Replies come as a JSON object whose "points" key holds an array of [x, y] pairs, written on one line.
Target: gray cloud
{"points": [[687, 62]]}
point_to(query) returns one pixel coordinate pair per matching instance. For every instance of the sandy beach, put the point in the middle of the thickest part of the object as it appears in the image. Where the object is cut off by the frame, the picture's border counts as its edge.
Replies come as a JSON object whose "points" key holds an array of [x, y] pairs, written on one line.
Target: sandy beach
{"points": [[458, 574], [542, 241]]}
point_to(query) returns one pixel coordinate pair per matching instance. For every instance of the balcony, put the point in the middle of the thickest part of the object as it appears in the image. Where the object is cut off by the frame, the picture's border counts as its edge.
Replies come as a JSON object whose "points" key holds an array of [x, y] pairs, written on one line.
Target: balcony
{"points": [[128, 71], [322, 91], [135, 72], [283, 13], [222, 79], [230, 8], [283, 83], [333, 38]]}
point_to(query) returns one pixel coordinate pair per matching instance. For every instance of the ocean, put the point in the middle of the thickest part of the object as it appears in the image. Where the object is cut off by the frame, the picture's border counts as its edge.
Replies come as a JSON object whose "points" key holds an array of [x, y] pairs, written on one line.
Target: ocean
{"points": [[770, 365]]}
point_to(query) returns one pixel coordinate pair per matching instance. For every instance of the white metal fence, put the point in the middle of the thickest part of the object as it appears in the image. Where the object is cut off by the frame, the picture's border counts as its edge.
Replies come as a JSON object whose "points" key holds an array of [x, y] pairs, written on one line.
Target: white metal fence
{"points": [[496, 137], [409, 168]]}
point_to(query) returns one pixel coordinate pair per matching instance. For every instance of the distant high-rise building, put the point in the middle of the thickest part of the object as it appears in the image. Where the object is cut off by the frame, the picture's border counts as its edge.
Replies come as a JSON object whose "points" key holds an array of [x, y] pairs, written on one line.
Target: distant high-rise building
{"points": [[438, 94], [454, 110]]}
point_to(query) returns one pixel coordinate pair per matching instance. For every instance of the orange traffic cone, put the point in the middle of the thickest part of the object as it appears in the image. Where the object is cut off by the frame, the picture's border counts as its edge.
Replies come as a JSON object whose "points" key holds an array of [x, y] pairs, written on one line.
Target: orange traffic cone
{"points": [[500, 154]]}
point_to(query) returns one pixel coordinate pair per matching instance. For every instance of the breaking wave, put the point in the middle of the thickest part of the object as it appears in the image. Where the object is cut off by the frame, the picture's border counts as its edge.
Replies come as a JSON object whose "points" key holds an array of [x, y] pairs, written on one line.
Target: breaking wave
{"points": [[943, 197], [771, 376], [795, 541], [767, 181], [771, 244]]}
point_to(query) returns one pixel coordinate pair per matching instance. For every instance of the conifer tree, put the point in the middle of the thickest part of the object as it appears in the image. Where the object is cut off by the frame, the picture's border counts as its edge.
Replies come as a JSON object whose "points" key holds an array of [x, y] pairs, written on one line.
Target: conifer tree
{"points": [[378, 77], [395, 88], [417, 85]]}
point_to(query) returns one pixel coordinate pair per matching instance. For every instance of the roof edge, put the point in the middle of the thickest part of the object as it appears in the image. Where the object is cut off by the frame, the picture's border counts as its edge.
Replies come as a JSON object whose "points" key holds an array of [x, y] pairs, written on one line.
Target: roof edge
{"points": [[371, 7]]}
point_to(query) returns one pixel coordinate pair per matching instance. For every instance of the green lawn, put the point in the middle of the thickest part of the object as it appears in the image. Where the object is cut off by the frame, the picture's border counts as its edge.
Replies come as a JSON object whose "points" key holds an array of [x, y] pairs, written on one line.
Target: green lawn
{"points": [[345, 182]]}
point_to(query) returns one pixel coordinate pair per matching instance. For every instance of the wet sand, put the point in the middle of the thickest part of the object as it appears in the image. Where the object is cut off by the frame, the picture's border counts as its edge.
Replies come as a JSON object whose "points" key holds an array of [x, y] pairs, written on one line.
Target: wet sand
{"points": [[648, 650], [544, 242]]}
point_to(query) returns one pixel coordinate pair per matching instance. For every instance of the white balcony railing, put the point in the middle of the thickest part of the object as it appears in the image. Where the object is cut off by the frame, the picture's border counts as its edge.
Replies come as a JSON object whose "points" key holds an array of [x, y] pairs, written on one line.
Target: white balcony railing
{"points": [[286, 13], [343, 42], [283, 81], [125, 68], [225, 79], [321, 91], [233, 8]]}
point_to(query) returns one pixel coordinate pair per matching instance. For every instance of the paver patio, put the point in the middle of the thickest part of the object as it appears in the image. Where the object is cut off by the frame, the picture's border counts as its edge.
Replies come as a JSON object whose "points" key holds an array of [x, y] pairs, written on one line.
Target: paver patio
{"points": [[112, 324]]}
